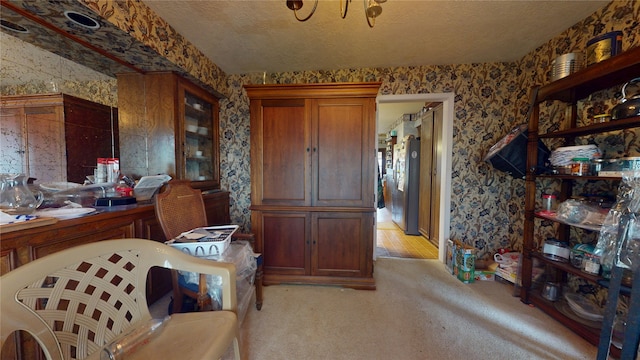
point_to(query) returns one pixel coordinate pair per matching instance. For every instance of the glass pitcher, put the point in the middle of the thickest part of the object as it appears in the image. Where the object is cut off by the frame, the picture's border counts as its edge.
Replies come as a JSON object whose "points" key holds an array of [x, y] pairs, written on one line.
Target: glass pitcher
{"points": [[15, 196]]}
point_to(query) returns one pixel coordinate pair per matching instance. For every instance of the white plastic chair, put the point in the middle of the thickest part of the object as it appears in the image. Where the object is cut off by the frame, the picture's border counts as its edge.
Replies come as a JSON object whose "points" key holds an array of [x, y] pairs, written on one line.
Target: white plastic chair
{"points": [[77, 300]]}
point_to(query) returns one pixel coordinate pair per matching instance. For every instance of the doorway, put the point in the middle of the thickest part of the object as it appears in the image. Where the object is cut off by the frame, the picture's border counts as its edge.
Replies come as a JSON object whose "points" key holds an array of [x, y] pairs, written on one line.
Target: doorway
{"points": [[444, 157], [391, 241]]}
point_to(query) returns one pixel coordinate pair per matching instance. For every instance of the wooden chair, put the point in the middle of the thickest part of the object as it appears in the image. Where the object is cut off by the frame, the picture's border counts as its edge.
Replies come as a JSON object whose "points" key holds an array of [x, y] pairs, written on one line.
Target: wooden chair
{"points": [[180, 208], [76, 301]]}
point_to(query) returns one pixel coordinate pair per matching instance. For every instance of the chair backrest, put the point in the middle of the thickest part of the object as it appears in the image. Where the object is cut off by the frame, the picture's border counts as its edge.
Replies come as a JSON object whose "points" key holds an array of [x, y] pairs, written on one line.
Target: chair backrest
{"points": [[75, 301], [180, 208]]}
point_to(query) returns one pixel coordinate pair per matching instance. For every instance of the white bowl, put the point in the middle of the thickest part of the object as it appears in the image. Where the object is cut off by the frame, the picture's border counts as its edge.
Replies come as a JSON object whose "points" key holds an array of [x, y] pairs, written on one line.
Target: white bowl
{"points": [[192, 128]]}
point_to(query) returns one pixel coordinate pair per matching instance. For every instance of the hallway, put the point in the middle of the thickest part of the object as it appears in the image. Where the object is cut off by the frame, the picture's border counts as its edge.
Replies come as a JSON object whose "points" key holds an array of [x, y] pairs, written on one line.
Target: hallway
{"points": [[392, 242]]}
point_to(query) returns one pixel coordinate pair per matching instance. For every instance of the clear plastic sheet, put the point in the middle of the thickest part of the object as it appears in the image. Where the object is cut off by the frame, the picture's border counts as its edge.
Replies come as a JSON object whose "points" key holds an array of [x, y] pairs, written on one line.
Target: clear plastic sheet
{"points": [[242, 256], [619, 239]]}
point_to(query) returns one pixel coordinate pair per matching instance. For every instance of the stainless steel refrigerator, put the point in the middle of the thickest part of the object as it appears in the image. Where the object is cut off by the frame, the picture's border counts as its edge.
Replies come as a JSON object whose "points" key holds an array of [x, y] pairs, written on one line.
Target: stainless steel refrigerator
{"points": [[405, 191]]}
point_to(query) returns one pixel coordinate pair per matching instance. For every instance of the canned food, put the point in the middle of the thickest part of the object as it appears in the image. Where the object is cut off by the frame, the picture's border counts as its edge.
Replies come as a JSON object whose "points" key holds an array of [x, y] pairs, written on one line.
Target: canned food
{"points": [[603, 47], [578, 253], [580, 166], [548, 203], [601, 118], [591, 264], [629, 163], [596, 166]]}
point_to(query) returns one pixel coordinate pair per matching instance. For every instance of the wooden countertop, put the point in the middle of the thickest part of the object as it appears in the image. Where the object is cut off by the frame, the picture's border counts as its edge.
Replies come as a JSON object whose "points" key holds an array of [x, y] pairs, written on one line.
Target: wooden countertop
{"points": [[7, 228], [24, 243]]}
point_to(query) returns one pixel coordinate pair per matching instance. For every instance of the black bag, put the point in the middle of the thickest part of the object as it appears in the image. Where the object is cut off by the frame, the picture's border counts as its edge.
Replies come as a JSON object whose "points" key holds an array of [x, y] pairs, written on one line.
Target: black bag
{"points": [[510, 153]]}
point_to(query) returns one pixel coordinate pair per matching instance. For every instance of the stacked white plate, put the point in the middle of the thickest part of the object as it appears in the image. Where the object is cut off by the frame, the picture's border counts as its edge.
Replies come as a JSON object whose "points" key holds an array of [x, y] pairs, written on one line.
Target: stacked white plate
{"points": [[562, 156], [583, 307]]}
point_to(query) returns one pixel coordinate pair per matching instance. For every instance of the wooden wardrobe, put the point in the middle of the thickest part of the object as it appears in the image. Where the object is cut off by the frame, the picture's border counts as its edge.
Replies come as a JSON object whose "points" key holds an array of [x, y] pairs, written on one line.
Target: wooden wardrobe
{"points": [[313, 182]]}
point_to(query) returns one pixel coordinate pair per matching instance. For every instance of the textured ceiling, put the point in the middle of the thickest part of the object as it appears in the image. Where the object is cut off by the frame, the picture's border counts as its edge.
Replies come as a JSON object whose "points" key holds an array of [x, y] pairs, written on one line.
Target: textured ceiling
{"points": [[263, 36], [256, 36]]}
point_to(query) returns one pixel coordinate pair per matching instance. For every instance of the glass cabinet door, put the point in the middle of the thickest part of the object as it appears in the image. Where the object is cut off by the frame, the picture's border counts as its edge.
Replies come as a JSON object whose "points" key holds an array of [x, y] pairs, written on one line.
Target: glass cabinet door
{"points": [[200, 140]]}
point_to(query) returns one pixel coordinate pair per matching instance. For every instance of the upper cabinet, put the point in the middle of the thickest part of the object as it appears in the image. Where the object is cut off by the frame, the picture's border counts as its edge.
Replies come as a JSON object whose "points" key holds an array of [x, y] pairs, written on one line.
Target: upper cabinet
{"points": [[55, 137], [169, 126], [312, 144]]}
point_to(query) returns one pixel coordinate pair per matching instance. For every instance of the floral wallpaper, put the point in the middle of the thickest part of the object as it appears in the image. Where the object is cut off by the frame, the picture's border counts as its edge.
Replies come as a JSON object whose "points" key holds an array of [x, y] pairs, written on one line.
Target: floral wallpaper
{"points": [[45, 73], [487, 206]]}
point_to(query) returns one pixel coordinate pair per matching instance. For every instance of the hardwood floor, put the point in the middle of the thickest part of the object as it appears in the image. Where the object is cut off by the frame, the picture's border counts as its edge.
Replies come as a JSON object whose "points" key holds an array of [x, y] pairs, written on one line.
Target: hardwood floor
{"points": [[392, 242]]}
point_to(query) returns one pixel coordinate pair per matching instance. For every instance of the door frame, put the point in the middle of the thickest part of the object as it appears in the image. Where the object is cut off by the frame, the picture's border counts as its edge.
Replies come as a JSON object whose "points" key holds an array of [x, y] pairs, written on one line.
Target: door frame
{"points": [[447, 100]]}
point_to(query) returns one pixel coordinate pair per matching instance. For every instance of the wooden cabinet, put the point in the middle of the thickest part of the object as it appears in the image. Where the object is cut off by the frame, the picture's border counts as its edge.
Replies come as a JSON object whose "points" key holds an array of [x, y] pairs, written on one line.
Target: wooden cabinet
{"points": [[176, 123], [316, 244], [604, 75], [313, 173], [55, 137]]}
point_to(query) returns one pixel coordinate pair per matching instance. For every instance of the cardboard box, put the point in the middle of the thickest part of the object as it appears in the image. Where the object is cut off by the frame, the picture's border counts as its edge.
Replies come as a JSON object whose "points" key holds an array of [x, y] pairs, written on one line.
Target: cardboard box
{"points": [[484, 275], [507, 274], [449, 257], [465, 263]]}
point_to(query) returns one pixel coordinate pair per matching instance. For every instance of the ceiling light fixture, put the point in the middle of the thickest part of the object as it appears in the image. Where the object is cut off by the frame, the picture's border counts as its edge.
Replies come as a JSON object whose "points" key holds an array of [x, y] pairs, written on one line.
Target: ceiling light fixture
{"points": [[82, 20], [8, 25], [372, 9]]}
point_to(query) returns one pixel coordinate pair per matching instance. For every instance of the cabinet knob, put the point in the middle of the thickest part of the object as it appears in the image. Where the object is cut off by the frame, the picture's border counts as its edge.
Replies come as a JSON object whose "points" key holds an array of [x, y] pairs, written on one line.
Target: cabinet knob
{"points": [[308, 149]]}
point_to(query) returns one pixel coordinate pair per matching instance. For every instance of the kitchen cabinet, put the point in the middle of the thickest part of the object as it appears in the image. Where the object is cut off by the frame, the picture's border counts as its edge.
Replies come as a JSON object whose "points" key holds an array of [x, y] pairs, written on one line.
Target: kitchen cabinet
{"points": [[313, 181], [177, 125], [55, 137], [607, 74]]}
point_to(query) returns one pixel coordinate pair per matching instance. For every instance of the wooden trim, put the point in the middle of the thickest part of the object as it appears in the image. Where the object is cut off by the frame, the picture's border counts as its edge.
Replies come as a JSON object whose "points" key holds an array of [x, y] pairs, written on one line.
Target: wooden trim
{"points": [[321, 90]]}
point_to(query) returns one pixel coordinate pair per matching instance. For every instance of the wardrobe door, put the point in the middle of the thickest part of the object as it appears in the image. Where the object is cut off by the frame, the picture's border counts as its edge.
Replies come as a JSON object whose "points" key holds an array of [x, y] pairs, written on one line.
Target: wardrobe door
{"points": [[343, 153], [281, 153], [340, 243], [286, 237]]}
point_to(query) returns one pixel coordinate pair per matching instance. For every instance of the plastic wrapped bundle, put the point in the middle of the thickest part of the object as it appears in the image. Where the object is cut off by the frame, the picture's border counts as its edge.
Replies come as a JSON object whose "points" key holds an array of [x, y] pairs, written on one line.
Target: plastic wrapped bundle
{"points": [[619, 240], [242, 256], [580, 212]]}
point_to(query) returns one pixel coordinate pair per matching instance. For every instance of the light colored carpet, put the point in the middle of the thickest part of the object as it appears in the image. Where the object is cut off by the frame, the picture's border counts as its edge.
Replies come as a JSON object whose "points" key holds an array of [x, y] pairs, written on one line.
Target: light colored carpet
{"points": [[418, 311]]}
